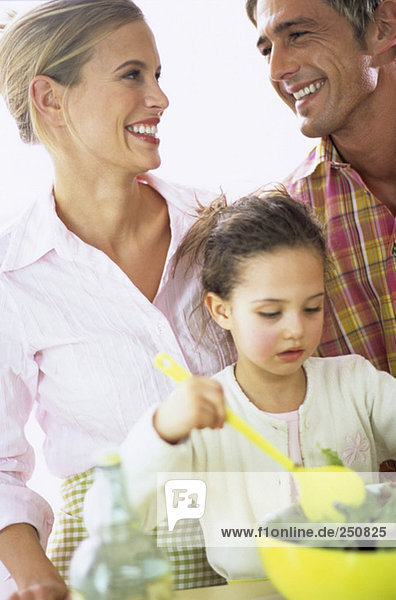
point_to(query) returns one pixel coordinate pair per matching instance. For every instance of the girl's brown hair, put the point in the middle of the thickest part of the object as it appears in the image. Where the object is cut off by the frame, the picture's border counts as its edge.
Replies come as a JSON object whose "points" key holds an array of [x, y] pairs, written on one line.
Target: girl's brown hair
{"points": [[225, 236]]}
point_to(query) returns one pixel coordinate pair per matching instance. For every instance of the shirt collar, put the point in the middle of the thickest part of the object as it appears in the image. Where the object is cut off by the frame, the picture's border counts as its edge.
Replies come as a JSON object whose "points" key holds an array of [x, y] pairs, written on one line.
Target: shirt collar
{"points": [[325, 152], [39, 230], [33, 235]]}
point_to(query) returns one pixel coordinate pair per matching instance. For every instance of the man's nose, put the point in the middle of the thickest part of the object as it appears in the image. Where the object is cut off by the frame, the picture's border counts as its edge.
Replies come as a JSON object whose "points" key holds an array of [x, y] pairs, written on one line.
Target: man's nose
{"points": [[283, 63]]}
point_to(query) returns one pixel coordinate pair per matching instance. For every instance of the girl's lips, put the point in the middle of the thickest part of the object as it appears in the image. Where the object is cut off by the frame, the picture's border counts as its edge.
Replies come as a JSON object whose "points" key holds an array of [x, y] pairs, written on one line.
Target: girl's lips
{"points": [[291, 355]]}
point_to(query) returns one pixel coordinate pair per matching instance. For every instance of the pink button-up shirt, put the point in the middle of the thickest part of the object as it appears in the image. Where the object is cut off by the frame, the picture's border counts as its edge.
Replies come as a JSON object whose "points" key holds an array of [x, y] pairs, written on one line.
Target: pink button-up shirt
{"points": [[77, 341]]}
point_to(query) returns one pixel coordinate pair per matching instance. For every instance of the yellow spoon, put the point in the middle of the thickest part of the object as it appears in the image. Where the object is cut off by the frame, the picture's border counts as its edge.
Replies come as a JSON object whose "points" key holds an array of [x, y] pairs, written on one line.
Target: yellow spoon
{"points": [[319, 487]]}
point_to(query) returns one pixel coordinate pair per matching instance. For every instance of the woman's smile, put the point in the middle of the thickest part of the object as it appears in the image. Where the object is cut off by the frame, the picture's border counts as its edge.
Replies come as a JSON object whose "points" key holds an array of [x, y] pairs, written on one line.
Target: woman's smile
{"points": [[145, 130]]}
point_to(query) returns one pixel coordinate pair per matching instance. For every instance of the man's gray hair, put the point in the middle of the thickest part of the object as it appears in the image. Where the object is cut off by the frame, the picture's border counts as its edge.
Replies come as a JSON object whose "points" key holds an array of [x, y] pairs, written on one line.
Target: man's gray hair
{"points": [[359, 13]]}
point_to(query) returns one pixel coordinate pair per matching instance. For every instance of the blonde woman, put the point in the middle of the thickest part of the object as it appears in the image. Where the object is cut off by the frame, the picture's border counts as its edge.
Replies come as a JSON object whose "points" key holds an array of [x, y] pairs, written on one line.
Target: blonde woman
{"points": [[87, 290]]}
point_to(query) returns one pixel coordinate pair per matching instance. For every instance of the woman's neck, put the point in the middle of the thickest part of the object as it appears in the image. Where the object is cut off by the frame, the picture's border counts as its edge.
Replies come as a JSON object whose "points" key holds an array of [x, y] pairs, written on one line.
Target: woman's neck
{"points": [[125, 219], [98, 209]]}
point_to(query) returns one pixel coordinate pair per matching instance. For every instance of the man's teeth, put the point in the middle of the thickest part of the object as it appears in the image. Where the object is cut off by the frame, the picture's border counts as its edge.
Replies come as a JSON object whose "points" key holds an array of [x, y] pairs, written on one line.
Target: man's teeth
{"points": [[143, 129], [310, 89]]}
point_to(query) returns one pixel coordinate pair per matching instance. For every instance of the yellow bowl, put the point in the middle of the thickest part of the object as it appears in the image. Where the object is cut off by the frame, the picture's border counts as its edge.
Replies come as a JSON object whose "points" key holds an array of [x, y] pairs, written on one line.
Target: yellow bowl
{"points": [[305, 573]]}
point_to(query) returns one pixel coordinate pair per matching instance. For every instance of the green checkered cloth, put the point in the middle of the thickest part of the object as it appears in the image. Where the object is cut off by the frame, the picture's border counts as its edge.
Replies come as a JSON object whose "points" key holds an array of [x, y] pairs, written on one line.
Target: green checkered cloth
{"points": [[185, 547]]}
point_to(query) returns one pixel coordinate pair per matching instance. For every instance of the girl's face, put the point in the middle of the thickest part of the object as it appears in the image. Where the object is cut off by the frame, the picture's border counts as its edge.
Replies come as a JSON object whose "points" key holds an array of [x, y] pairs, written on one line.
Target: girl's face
{"points": [[115, 109], [275, 315]]}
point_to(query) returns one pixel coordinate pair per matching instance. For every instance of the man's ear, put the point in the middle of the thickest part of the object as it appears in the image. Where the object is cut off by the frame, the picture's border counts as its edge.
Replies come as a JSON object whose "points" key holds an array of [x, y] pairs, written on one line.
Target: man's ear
{"points": [[46, 95], [219, 309], [383, 37]]}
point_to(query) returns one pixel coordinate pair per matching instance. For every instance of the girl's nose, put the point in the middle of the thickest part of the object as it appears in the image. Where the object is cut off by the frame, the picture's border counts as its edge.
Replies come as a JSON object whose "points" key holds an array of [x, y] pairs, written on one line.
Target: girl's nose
{"points": [[294, 328]]}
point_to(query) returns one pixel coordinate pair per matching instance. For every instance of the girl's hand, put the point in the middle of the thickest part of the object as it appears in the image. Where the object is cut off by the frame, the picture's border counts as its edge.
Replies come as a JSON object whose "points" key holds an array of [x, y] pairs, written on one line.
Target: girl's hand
{"points": [[196, 404], [43, 591]]}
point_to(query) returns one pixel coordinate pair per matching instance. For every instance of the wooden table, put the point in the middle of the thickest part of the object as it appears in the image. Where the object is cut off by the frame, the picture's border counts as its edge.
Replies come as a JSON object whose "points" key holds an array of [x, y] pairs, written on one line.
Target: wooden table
{"points": [[257, 590]]}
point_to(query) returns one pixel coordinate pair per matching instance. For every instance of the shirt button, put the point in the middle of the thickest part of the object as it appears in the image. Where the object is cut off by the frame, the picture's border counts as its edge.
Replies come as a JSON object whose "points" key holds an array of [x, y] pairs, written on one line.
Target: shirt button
{"points": [[307, 423]]}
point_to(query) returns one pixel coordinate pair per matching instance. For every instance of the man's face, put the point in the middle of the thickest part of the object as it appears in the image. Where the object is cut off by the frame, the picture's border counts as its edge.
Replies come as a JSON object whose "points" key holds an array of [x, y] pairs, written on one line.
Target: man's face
{"points": [[316, 65]]}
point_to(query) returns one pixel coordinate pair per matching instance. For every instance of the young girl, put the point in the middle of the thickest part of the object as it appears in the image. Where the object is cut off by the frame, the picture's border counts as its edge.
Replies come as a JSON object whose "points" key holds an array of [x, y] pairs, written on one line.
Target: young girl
{"points": [[263, 280]]}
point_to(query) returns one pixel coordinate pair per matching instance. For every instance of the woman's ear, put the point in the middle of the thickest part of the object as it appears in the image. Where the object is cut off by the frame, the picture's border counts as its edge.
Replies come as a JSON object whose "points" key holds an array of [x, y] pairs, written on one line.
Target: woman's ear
{"points": [[46, 95], [384, 30], [219, 309]]}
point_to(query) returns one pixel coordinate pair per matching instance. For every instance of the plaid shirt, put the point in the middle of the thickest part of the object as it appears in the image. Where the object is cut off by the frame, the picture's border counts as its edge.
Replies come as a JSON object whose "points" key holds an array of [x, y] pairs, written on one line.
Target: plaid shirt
{"points": [[361, 286]]}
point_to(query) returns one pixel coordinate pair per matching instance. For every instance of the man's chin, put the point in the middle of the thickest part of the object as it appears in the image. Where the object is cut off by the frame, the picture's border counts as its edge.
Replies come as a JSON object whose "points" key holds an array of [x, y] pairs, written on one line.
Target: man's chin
{"points": [[311, 129]]}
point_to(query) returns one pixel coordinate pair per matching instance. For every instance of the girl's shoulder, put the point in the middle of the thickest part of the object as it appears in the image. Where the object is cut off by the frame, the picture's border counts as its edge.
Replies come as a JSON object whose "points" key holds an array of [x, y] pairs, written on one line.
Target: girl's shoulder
{"points": [[342, 363], [226, 376], [351, 371]]}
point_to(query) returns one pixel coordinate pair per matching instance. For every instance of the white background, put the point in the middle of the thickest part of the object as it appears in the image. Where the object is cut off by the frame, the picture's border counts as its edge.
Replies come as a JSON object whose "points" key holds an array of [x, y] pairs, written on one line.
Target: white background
{"points": [[225, 125]]}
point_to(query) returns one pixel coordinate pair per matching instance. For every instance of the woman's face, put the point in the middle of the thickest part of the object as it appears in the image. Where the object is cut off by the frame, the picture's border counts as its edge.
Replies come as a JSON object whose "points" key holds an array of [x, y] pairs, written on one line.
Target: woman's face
{"points": [[114, 110]]}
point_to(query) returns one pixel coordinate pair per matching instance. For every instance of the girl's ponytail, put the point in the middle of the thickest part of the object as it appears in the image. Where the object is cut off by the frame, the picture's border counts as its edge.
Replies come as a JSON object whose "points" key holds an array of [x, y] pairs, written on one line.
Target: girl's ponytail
{"points": [[194, 243]]}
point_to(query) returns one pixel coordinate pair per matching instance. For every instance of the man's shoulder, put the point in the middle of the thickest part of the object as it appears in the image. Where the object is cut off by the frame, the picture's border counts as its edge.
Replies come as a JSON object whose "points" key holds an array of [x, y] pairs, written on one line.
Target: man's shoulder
{"points": [[304, 169], [316, 164], [308, 182]]}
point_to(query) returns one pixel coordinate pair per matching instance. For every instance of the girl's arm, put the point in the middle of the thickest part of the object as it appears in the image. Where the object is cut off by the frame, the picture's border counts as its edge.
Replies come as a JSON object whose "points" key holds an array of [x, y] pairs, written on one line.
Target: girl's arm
{"points": [[34, 574], [151, 450], [196, 404]]}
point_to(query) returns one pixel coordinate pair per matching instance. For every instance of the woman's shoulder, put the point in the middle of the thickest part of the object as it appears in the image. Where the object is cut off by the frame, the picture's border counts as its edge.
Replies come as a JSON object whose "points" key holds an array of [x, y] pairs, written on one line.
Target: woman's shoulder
{"points": [[20, 232], [185, 197], [7, 232]]}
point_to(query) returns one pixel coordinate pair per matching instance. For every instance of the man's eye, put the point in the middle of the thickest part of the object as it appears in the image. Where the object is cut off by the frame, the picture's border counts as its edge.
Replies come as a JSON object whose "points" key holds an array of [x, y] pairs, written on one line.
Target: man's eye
{"points": [[265, 51], [297, 34]]}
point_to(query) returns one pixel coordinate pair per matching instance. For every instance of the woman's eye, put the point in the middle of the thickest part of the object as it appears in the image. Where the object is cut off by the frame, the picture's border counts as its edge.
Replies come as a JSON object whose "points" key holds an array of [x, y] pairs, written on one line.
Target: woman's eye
{"points": [[269, 315], [132, 74]]}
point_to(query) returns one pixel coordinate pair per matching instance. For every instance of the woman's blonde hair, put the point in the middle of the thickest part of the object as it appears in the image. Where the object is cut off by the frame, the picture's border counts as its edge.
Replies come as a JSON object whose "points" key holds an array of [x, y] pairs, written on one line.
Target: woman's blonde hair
{"points": [[55, 39]]}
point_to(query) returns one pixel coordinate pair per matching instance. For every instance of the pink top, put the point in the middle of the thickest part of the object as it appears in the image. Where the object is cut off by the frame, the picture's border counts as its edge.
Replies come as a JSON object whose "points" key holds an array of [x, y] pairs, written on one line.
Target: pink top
{"points": [[292, 419], [77, 341]]}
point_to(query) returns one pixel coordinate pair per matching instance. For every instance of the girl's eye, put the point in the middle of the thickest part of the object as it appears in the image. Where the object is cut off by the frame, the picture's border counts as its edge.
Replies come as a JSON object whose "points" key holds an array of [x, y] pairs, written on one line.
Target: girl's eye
{"points": [[314, 309], [157, 76], [270, 315]]}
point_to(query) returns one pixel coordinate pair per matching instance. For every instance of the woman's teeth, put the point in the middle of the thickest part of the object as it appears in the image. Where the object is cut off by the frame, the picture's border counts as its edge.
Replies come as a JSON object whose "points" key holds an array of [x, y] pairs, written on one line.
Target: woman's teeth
{"points": [[143, 129], [310, 89]]}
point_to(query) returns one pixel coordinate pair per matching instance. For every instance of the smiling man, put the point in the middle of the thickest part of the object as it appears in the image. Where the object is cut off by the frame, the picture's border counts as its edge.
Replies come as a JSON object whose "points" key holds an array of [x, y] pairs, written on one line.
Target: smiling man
{"points": [[334, 63]]}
